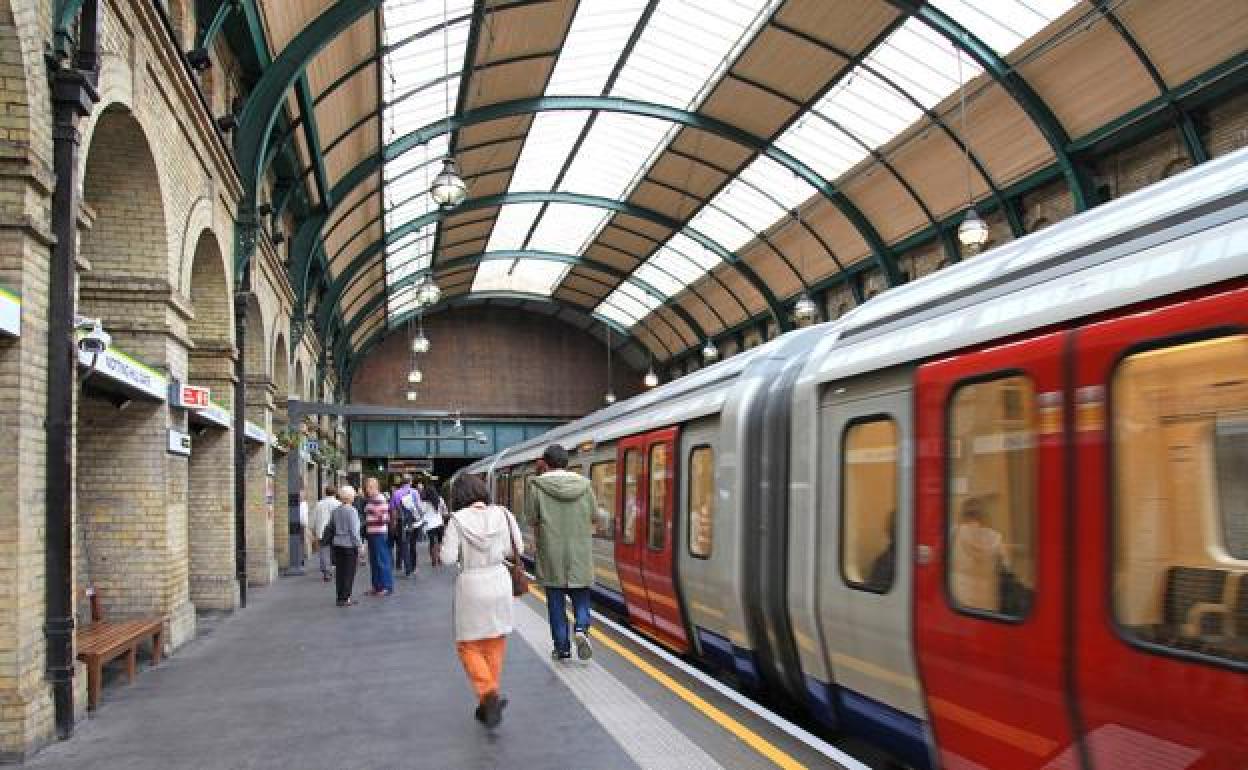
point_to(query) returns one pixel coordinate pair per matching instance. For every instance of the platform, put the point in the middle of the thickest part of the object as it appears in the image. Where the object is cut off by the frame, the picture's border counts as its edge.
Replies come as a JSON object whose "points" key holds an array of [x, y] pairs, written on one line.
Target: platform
{"points": [[294, 682]]}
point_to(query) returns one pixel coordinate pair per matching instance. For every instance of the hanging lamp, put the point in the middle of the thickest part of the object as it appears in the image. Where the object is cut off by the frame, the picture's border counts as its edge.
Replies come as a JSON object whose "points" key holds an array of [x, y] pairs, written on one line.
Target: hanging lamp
{"points": [[651, 379], [448, 189], [710, 353], [805, 311], [972, 230]]}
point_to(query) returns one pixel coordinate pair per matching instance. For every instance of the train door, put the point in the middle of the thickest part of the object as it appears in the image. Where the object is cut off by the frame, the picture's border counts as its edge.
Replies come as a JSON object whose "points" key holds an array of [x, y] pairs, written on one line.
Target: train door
{"points": [[657, 557], [866, 498], [644, 548], [989, 575], [1162, 629], [631, 497]]}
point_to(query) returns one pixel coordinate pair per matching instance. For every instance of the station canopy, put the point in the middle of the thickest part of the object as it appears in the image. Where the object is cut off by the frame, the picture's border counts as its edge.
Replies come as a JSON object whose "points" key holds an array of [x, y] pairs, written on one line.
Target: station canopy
{"points": [[677, 167]]}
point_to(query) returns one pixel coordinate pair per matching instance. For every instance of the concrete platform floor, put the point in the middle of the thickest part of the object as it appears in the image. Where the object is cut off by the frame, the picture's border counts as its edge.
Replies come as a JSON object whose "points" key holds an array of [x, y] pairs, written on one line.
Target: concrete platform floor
{"points": [[295, 682]]}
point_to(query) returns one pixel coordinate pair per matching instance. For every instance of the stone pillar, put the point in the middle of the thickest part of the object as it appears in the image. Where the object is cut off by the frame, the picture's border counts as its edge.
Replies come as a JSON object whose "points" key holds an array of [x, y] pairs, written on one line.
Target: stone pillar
{"points": [[281, 528], [211, 489], [131, 492], [261, 564]]}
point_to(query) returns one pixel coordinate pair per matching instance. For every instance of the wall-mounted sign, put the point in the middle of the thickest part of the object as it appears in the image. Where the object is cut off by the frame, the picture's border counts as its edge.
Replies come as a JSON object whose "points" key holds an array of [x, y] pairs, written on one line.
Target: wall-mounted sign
{"points": [[132, 375], [213, 414], [189, 396], [255, 433], [312, 445], [270, 470], [179, 443], [10, 312]]}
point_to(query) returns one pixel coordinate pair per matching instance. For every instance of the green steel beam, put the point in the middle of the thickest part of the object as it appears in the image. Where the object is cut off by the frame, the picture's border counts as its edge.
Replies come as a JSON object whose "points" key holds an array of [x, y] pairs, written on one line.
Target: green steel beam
{"points": [[1182, 118], [63, 28], [543, 256], [207, 35], [1018, 89], [350, 273], [312, 134]]}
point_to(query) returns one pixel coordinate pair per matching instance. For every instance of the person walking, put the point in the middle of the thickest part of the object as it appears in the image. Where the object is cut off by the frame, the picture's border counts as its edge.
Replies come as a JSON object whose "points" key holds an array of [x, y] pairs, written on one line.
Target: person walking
{"points": [[433, 512], [560, 506], [377, 528], [403, 507], [321, 516], [345, 521], [304, 530], [479, 536]]}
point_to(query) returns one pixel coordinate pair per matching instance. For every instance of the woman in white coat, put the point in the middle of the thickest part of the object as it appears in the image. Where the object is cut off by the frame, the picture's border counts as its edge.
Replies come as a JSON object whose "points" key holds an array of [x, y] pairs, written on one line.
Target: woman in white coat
{"points": [[478, 537]]}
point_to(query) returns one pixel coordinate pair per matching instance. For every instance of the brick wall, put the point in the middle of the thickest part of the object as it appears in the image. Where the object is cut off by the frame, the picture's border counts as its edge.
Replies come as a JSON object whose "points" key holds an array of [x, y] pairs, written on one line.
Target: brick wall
{"points": [[495, 361]]}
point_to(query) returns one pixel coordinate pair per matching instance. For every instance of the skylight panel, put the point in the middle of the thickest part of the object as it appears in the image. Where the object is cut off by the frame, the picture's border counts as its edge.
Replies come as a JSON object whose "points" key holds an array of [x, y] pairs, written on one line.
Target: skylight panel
{"points": [[672, 67], [677, 265], [695, 251], [512, 226], [531, 276], [613, 154], [595, 40], [1003, 24], [566, 228], [722, 228], [613, 313], [546, 148], [660, 280]]}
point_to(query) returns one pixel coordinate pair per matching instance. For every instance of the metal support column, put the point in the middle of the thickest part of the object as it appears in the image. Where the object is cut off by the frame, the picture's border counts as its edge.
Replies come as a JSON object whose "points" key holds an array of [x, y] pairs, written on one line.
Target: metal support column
{"points": [[240, 433], [73, 96]]}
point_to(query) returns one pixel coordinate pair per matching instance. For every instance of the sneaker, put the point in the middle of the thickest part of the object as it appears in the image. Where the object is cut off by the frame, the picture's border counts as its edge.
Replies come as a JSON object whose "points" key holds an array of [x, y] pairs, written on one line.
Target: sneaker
{"points": [[492, 709], [479, 714], [560, 655], [584, 650]]}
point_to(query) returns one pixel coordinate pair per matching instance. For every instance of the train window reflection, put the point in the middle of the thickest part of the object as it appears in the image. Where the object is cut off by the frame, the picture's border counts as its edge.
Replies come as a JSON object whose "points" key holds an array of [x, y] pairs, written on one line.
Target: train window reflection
{"points": [[992, 496], [632, 495], [869, 504], [701, 501], [602, 479], [660, 479], [1180, 449]]}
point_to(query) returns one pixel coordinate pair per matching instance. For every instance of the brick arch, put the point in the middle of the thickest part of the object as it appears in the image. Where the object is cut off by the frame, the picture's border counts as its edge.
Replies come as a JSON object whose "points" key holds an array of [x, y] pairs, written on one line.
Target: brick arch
{"points": [[209, 291], [281, 367], [121, 183], [301, 385], [256, 354]]}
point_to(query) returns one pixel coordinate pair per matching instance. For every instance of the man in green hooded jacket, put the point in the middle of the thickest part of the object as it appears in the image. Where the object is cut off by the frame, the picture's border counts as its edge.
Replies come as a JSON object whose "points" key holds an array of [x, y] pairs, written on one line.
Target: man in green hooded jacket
{"points": [[560, 506]]}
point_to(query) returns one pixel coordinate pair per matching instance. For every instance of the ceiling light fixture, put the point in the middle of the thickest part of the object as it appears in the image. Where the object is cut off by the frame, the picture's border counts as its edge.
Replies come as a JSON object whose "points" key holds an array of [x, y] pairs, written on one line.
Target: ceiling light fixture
{"points": [[710, 353], [411, 395], [651, 379], [427, 292], [448, 189], [972, 230], [805, 311], [610, 397], [415, 377]]}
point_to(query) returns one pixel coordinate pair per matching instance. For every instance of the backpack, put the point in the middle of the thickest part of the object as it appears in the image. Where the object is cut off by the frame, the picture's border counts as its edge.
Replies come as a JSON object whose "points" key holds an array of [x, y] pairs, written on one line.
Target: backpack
{"points": [[327, 535], [410, 510]]}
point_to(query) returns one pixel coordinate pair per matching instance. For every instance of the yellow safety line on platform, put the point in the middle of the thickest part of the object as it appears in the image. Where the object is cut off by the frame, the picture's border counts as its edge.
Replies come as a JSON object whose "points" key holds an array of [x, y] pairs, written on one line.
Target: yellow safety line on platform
{"points": [[751, 738]]}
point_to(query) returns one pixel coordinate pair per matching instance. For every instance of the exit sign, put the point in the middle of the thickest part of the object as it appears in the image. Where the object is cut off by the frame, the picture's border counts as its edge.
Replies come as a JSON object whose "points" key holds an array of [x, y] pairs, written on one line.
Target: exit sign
{"points": [[190, 396]]}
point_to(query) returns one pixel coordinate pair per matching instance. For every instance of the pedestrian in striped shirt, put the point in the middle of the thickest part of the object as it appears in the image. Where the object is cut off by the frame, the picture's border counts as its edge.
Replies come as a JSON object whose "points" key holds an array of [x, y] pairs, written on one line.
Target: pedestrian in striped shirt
{"points": [[377, 528]]}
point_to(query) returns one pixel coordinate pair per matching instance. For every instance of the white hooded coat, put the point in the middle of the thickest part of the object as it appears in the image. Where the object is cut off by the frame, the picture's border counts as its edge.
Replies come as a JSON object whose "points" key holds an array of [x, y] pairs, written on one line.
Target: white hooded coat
{"points": [[477, 537]]}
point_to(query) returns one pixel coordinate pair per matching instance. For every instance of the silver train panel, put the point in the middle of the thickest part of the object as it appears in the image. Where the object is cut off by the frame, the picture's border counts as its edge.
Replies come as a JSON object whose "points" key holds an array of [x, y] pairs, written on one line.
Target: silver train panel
{"points": [[707, 585], [869, 643]]}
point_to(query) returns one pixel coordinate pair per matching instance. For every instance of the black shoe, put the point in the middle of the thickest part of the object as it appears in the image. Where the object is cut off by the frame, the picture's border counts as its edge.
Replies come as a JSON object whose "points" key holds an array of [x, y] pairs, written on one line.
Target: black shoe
{"points": [[479, 714], [492, 709], [560, 655]]}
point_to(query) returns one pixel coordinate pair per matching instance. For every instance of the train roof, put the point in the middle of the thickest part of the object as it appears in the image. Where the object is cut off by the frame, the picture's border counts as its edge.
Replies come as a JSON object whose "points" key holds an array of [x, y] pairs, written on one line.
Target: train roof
{"points": [[698, 394]]}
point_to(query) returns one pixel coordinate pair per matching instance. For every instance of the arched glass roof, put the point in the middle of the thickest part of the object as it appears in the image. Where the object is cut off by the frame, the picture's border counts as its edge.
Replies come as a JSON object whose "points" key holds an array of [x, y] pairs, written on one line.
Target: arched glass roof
{"points": [[678, 167]]}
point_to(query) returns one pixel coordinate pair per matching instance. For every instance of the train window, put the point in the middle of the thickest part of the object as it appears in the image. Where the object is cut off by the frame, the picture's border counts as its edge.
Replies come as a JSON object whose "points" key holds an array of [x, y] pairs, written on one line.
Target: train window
{"points": [[660, 481], [632, 495], [869, 504], [517, 495], [701, 501], [500, 489], [992, 496], [1180, 482], [602, 479]]}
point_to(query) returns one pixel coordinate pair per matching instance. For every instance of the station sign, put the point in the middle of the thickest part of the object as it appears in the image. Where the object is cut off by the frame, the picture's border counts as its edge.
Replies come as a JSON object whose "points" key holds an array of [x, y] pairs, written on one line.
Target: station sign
{"points": [[213, 414], [189, 396], [253, 432], [311, 445], [179, 443], [120, 369], [10, 312]]}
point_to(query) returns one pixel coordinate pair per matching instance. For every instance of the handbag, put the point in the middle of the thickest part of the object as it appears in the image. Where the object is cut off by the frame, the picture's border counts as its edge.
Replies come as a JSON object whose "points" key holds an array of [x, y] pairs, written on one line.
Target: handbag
{"points": [[327, 534], [519, 580]]}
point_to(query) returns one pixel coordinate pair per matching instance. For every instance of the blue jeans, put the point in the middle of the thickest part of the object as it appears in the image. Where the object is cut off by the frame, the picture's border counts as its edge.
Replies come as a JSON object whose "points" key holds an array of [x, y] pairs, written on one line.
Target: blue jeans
{"points": [[379, 563], [557, 610]]}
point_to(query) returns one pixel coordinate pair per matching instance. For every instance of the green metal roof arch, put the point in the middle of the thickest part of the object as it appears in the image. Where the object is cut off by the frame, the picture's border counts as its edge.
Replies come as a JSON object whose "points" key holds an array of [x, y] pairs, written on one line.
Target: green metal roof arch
{"points": [[348, 275], [515, 254], [1016, 86]]}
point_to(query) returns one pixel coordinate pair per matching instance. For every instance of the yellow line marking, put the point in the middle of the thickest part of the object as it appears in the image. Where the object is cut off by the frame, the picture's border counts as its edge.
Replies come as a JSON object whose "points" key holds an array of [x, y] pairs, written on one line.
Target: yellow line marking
{"points": [[745, 734]]}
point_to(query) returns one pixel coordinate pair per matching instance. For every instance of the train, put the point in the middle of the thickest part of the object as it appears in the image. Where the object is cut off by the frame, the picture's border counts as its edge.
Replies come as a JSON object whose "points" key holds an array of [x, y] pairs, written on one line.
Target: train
{"points": [[996, 517]]}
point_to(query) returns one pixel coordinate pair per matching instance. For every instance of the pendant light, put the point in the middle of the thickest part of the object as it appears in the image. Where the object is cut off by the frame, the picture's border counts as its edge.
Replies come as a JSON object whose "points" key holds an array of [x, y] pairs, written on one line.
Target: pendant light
{"points": [[805, 312], [411, 395], [609, 398], [972, 230], [710, 353], [415, 377], [448, 189], [420, 343], [651, 379], [428, 293]]}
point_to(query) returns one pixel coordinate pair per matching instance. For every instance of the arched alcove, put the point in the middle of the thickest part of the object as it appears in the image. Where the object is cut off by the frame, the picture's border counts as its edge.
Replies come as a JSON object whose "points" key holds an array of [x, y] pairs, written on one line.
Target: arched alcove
{"points": [[210, 475]]}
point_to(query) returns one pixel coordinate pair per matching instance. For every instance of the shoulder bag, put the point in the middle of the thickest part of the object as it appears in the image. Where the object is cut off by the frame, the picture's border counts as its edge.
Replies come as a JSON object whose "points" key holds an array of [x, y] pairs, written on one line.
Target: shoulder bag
{"points": [[519, 580]]}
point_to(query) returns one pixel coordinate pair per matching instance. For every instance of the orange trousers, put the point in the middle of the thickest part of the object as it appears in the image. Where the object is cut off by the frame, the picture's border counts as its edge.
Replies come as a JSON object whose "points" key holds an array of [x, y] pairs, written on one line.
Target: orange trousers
{"points": [[483, 663]]}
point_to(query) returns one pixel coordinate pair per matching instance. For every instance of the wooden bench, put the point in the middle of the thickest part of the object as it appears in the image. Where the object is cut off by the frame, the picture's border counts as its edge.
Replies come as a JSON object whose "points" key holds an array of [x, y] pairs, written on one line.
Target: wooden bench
{"points": [[102, 642]]}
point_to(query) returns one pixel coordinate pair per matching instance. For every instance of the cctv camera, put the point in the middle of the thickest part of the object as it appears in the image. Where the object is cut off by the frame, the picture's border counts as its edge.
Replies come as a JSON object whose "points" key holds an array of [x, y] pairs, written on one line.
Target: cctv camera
{"points": [[95, 341]]}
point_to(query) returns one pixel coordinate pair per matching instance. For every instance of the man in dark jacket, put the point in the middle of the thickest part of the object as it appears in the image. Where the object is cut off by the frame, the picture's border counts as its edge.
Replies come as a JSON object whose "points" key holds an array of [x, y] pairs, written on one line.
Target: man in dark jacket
{"points": [[560, 506]]}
